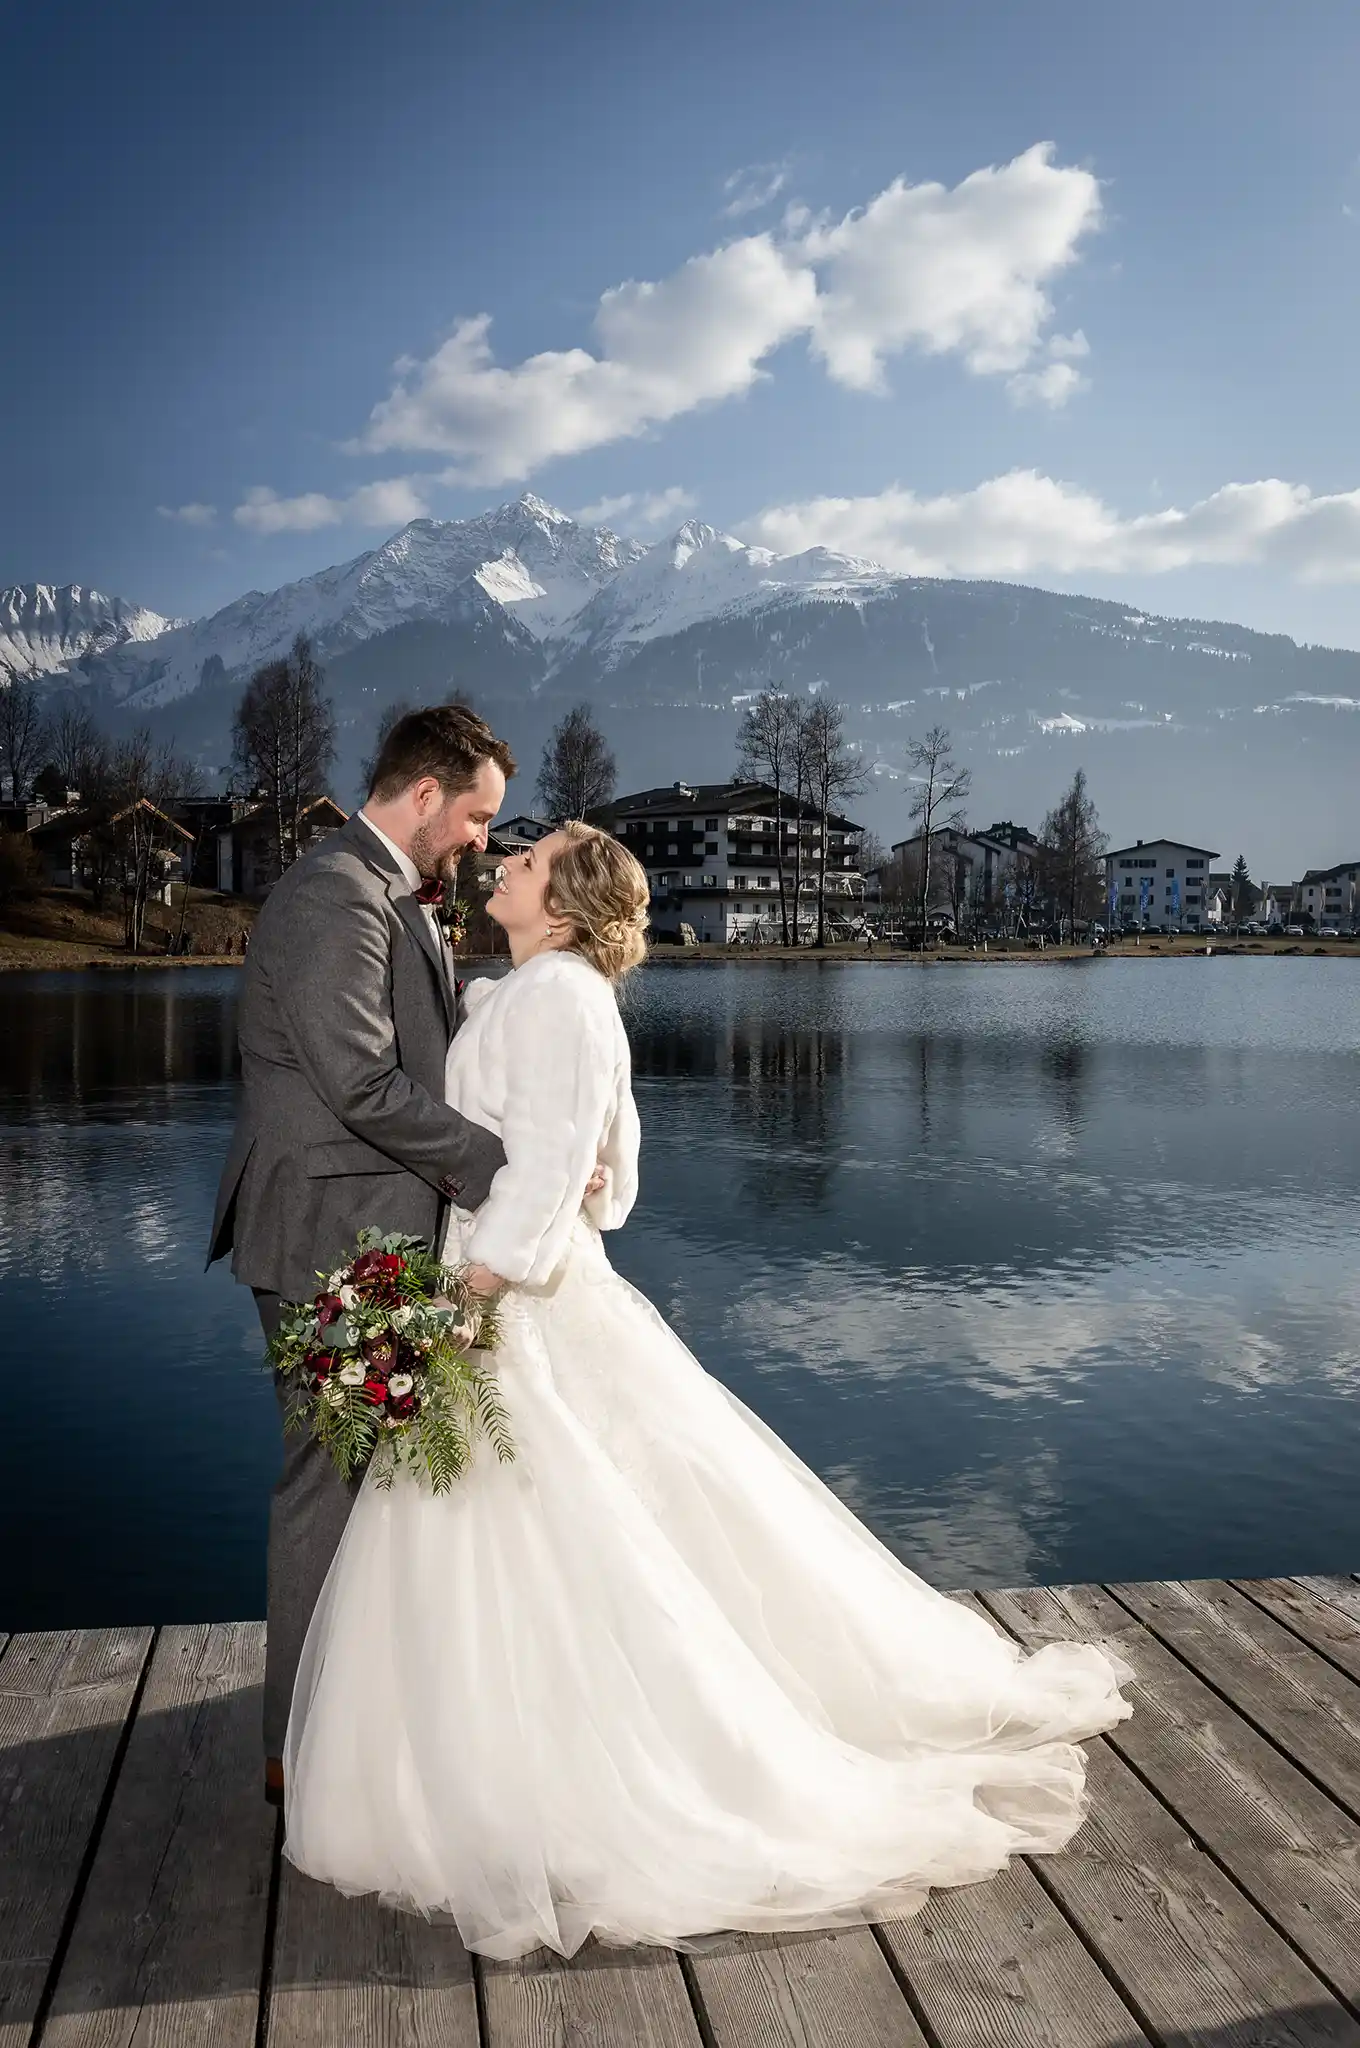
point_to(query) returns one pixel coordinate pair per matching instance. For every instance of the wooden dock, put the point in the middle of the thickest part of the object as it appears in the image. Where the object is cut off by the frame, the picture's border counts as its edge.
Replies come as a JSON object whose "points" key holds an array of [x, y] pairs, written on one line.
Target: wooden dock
{"points": [[1212, 1897]]}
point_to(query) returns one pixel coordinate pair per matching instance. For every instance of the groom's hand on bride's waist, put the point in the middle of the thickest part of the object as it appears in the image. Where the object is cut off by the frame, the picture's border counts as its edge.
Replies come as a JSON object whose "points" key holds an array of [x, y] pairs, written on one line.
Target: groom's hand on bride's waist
{"points": [[598, 1178]]}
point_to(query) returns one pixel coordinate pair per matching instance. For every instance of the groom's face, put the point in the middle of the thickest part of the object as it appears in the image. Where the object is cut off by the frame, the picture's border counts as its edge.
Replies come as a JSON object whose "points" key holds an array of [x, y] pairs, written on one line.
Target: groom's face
{"points": [[451, 823]]}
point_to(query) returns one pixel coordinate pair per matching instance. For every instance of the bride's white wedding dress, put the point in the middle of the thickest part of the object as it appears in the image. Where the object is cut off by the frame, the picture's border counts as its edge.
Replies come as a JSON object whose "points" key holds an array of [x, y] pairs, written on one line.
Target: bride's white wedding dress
{"points": [[652, 1680]]}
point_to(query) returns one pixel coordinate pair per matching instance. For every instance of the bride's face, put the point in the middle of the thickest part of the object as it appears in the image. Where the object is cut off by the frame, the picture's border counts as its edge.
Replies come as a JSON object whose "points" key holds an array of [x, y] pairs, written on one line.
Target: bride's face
{"points": [[516, 902]]}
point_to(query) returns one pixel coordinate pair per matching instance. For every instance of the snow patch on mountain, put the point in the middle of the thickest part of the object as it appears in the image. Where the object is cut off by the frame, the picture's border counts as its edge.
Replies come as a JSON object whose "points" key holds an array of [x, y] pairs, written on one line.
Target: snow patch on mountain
{"points": [[699, 575], [46, 628], [524, 566]]}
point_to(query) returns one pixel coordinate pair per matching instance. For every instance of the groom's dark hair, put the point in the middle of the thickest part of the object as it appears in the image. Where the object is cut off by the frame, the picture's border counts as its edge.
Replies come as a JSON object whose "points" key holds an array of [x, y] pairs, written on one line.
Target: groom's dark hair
{"points": [[447, 741]]}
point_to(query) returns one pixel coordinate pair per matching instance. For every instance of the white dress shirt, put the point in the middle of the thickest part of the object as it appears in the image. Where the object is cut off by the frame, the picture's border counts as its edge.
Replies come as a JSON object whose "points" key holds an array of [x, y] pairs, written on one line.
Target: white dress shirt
{"points": [[415, 878]]}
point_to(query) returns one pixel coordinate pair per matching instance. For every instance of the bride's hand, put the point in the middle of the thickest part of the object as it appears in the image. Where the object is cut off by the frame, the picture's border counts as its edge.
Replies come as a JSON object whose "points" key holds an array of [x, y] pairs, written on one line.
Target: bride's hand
{"points": [[481, 1280], [598, 1178]]}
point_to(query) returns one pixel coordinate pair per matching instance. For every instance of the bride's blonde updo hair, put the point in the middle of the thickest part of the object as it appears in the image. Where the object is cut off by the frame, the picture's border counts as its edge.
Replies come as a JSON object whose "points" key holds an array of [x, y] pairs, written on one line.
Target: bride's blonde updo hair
{"points": [[600, 891]]}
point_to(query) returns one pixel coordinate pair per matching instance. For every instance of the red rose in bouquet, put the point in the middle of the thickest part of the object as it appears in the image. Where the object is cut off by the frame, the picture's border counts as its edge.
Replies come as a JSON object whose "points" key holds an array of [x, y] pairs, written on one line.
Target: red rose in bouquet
{"points": [[382, 1364]]}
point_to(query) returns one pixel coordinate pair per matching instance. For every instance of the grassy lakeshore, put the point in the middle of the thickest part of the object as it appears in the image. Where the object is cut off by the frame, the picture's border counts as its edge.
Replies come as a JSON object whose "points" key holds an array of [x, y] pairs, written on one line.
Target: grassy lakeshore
{"points": [[1017, 954], [62, 929]]}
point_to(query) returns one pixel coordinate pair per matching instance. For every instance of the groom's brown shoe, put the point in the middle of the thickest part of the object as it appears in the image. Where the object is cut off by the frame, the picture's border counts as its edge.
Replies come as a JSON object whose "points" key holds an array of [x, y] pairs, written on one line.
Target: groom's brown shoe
{"points": [[273, 1780]]}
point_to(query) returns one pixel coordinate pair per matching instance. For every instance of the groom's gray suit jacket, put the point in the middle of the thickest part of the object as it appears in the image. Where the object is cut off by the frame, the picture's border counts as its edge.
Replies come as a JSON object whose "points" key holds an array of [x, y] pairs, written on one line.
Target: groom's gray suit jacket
{"points": [[345, 1018]]}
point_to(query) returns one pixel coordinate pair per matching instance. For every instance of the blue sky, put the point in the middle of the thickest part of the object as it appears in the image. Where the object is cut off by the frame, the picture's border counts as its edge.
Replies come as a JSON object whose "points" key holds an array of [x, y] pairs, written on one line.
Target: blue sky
{"points": [[807, 271]]}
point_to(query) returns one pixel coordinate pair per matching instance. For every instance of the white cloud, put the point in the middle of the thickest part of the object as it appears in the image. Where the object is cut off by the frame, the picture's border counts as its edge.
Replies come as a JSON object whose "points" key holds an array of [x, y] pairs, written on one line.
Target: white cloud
{"points": [[389, 503], [756, 185], [1023, 523], [640, 508], [189, 515], [1053, 385], [950, 271], [1054, 382], [922, 266], [697, 337]]}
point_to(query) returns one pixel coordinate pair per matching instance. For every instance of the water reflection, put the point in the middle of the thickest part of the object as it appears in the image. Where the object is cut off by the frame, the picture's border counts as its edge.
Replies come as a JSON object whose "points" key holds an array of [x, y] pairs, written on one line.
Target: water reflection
{"points": [[1049, 1272], [119, 1043]]}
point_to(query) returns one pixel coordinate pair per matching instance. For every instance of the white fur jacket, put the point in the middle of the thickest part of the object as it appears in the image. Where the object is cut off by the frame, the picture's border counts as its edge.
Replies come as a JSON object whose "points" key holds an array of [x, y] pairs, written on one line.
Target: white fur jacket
{"points": [[542, 1060]]}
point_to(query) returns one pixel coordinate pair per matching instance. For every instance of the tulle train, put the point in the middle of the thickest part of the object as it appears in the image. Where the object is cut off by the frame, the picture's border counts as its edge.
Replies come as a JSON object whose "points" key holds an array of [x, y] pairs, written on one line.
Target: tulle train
{"points": [[653, 1681]]}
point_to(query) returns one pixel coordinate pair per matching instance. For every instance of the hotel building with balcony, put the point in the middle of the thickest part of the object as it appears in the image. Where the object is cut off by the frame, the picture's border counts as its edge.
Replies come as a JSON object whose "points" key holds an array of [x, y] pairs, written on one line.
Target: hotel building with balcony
{"points": [[711, 852]]}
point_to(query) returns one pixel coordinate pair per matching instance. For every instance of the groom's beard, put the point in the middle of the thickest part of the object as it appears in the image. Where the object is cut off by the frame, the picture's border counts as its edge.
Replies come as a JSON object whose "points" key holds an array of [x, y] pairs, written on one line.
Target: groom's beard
{"points": [[435, 867]]}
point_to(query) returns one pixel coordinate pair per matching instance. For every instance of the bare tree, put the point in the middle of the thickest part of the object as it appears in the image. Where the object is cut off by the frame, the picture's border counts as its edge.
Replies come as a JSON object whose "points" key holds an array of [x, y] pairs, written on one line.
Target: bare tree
{"points": [[874, 859], [1072, 856], [938, 804], [393, 715], [79, 751], [135, 842], [284, 738], [578, 771], [799, 777], [23, 734], [768, 741], [834, 771], [20, 870]]}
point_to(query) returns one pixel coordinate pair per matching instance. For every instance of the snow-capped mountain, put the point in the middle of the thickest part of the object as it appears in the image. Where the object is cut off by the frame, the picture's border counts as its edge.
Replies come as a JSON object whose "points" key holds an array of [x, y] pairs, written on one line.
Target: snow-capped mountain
{"points": [[525, 566], [700, 574], [530, 611], [48, 629], [547, 584]]}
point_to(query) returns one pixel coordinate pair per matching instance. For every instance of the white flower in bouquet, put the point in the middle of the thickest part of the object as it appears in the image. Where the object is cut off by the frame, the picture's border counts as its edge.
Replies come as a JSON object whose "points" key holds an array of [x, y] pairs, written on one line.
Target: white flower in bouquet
{"points": [[400, 1383], [349, 1297], [337, 1280], [400, 1317], [352, 1375], [330, 1392], [464, 1333]]}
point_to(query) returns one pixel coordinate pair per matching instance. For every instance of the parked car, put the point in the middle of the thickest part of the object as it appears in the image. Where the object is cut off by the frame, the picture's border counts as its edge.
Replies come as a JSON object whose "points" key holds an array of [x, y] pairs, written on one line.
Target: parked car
{"points": [[1329, 931], [1295, 931]]}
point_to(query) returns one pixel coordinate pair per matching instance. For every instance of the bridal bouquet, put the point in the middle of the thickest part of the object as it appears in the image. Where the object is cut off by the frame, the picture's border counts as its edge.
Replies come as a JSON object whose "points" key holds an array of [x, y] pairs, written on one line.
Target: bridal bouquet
{"points": [[380, 1364]]}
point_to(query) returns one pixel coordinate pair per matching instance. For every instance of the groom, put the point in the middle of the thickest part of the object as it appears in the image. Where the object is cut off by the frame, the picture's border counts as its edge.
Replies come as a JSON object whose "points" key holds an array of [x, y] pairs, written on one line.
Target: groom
{"points": [[347, 1008]]}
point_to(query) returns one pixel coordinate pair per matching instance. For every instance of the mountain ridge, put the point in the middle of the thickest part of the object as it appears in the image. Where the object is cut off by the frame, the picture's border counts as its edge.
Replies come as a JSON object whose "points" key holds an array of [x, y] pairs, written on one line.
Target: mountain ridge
{"points": [[530, 610]]}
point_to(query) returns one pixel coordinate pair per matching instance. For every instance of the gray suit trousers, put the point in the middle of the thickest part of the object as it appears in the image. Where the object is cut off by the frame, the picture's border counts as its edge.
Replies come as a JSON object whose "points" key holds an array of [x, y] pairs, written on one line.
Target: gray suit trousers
{"points": [[307, 1518]]}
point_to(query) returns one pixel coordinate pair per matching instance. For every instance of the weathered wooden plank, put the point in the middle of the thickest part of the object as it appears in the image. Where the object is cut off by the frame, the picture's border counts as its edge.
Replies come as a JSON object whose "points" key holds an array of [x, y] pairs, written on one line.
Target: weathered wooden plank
{"points": [[608, 1997], [1342, 1593], [1291, 1849], [1296, 1698], [1186, 1948], [1321, 1624], [996, 1965], [351, 1970], [64, 1699], [168, 1947], [828, 1989]]}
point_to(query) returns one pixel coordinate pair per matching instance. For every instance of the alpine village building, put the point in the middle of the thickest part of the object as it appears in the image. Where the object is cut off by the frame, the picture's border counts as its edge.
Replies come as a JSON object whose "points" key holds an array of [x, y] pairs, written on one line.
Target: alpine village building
{"points": [[1159, 883], [711, 852]]}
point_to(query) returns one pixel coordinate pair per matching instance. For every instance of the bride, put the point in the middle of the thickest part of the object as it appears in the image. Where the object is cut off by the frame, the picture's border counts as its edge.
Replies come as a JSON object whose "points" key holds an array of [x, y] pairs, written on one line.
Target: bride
{"points": [[652, 1680]]}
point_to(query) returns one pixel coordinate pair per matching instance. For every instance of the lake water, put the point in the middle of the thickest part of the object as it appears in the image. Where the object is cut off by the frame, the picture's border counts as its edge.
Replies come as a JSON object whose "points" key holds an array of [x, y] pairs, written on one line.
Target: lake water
{"points": [[1051, 1271]]}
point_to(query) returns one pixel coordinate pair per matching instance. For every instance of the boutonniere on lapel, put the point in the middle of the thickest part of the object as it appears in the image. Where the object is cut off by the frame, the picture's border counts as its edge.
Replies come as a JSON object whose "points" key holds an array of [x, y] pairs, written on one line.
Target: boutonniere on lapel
{"points": [[446, 907]]}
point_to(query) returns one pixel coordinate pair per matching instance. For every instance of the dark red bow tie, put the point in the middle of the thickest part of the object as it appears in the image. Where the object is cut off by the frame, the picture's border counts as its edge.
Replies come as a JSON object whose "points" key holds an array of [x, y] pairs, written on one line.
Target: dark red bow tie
{"points": [[431, 891]]}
